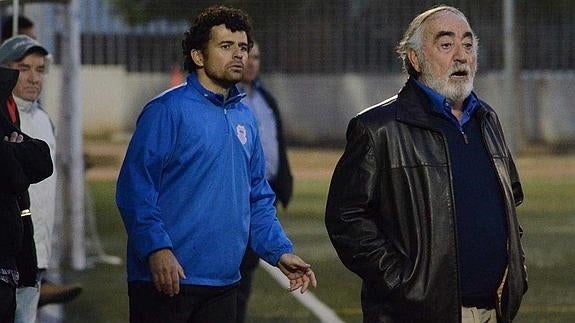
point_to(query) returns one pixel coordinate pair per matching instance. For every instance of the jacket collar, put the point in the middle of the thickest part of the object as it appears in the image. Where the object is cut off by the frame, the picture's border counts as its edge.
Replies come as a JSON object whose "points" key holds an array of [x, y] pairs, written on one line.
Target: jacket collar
{"points": [[415, 106], [217, 99], [8, 79]]}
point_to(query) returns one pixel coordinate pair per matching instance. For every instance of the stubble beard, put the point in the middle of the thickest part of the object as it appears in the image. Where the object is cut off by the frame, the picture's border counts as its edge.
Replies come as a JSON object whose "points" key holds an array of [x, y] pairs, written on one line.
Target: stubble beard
{"points": [[453, 91], [225, 78]]}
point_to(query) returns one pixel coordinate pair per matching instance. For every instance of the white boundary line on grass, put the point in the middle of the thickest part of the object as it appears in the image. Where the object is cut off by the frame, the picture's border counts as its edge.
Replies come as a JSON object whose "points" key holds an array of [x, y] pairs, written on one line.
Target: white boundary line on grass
{"points": [[319, 309]]}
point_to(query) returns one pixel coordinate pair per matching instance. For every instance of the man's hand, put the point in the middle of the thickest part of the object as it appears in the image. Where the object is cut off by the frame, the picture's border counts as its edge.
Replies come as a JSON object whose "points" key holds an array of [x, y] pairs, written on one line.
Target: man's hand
{"points": [[14, 137], [166, 271], [297, 271]]}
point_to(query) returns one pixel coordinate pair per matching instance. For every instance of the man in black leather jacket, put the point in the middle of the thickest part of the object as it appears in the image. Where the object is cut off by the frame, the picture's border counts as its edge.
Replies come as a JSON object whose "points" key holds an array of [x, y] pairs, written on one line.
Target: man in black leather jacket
{"points": [[422, 203]]}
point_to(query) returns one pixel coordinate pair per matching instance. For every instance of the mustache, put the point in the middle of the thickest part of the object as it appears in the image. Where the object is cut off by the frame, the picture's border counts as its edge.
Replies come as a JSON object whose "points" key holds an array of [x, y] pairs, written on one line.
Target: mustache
{"points": [[459, 68]]}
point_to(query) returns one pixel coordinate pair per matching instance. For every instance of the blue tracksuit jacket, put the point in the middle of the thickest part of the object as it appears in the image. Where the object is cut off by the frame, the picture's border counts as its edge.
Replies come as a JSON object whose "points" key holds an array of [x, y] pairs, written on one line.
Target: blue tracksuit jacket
{"points": [[193, 180]]}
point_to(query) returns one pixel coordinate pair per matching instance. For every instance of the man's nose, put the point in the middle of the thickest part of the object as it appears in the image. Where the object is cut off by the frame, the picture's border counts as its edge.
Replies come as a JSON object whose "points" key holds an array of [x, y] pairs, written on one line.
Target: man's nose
{"points": [[460, 55], [239, 53], [35, 77]]}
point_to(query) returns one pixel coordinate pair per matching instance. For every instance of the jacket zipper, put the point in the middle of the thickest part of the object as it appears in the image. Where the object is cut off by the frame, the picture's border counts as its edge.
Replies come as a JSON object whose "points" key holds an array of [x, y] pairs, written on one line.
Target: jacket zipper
{"points": [[465, 140], [227, 120], [463, 134], [499, 292]]}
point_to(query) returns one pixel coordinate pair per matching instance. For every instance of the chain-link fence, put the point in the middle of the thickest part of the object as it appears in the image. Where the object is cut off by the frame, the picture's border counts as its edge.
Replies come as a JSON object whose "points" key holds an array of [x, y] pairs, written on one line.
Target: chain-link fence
{"points": [[340, 36]]}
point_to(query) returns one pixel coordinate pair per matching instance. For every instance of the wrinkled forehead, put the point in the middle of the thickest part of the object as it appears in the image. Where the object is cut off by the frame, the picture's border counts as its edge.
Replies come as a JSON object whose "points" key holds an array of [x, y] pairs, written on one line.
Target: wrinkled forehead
{"points": [[446, 23]]}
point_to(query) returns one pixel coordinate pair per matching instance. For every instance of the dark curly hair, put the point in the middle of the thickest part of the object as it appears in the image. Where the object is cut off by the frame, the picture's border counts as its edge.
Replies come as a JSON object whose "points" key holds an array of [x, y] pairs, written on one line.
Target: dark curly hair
{"points": [[199, 34]]}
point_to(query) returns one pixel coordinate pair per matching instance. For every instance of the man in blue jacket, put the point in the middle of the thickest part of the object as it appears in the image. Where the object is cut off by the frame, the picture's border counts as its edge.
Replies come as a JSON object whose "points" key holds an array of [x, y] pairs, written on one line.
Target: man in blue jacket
{"points": [[192, 189]]}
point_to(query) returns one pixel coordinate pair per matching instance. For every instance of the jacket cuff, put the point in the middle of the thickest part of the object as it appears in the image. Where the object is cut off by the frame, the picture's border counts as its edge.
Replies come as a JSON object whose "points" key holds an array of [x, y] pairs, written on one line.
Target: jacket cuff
{"points": [[151, 241], [274, 256]]}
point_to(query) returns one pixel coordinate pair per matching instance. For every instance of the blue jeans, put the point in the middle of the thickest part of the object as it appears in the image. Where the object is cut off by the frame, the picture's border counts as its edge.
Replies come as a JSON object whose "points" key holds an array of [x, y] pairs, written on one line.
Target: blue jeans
{"points": [[27, 304], [27, 301]]}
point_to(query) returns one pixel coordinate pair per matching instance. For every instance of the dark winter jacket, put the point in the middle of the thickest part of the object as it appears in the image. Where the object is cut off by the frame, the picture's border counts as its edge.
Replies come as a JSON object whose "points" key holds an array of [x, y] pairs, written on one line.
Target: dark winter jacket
{"points": [[21, 164], [282, 184], [390, 212]]}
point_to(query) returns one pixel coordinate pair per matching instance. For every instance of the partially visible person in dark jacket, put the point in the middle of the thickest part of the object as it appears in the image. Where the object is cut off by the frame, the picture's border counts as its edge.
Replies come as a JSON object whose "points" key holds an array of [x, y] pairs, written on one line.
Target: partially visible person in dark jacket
{"points": [[422, 203], [25, 27], [278, 172], [23, 161]]}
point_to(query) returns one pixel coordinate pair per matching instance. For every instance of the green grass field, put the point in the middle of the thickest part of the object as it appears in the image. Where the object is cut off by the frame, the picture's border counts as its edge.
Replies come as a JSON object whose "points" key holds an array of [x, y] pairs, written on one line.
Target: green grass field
{"points": [[547, 216]]}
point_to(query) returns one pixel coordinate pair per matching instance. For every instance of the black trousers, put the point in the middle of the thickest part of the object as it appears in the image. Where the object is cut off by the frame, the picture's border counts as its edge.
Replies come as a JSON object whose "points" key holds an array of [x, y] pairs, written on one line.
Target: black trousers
{"points": [[194, 304], [247, 268], [7, 302]]}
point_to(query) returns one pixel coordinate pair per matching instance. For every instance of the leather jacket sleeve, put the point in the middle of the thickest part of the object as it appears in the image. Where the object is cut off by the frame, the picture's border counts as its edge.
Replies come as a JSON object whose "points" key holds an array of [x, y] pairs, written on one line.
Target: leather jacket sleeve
{"points": [[24, 163], [33, 156], [515, 183], [352, 217], [516, 187], [11, 174]]}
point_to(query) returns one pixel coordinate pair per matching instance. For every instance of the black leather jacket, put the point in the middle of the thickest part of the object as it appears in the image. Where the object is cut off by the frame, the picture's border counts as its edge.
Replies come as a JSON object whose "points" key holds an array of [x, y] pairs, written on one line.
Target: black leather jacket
{"points": [[391, 217]]}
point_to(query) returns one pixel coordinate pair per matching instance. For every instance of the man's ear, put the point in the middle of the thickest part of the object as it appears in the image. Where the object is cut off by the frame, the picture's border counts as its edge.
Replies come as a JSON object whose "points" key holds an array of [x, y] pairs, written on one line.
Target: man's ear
{"points": [[414, 60], [197, 57]]}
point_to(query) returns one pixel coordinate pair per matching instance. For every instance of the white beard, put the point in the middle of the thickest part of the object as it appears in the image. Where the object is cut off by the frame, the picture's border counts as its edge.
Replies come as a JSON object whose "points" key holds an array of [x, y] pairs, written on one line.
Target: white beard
{"points": [[456, 91]]}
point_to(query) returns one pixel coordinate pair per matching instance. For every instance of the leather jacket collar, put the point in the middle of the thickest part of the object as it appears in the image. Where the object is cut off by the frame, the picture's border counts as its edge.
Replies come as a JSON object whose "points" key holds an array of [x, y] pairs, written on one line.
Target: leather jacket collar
{"points": [[415, 106]]}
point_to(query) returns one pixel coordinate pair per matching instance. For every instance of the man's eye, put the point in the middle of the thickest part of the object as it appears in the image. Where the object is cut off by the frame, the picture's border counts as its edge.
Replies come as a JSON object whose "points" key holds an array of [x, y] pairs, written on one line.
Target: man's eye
{"points": [[226, 46], [468, 46], [445, 45]]}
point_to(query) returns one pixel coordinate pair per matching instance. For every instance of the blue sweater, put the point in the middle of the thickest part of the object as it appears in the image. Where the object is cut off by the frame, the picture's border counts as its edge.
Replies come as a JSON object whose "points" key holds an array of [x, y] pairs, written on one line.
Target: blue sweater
{"points": [[479, 206], [481, 220], [193, 180]]}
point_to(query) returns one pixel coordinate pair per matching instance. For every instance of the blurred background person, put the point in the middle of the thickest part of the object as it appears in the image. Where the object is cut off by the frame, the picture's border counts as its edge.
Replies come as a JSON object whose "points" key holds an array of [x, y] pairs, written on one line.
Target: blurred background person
{"points": [[278, 173], [25, 27]]}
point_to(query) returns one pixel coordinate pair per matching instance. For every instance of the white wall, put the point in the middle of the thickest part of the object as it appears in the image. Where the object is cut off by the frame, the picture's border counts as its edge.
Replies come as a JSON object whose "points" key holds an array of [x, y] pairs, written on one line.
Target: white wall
{"points": [[112, 97], [317, 108]]}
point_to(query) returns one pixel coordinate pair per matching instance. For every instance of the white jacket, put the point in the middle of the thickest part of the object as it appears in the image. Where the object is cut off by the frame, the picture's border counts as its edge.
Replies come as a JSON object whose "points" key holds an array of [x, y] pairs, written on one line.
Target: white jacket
{"points": [[35, 122]]}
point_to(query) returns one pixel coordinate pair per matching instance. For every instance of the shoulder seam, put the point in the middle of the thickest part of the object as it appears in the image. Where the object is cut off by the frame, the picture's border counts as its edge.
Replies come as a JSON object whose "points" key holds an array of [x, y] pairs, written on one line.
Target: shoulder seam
{"points": [[382, 103]]}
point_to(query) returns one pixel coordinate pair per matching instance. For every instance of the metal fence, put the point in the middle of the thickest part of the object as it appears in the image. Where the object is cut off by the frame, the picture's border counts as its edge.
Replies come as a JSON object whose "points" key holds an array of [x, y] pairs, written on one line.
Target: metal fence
{"points": [[339, 36]]}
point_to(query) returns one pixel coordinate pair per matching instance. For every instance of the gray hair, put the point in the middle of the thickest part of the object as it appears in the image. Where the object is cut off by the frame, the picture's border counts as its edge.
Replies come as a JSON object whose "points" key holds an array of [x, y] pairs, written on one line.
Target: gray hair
{"points": [[413, 37]]}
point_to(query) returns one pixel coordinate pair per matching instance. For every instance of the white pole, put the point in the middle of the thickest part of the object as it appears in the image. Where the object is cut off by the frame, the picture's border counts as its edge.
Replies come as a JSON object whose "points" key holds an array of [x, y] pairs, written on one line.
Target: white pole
{"points": [[312, 303], [71, 127], [512, 76], [15, 14]]}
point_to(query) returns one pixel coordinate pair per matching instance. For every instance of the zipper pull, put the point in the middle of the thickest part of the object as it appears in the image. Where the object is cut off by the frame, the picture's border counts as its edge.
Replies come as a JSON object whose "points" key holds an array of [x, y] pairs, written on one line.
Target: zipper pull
{"points": [[465, 140]]}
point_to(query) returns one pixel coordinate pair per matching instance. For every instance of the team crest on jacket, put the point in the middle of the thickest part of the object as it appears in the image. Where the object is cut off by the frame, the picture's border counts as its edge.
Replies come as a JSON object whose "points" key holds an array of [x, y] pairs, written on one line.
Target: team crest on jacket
{"points": [[242, 134]]}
